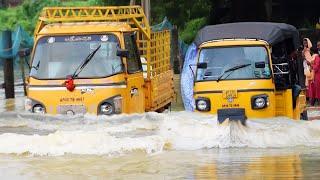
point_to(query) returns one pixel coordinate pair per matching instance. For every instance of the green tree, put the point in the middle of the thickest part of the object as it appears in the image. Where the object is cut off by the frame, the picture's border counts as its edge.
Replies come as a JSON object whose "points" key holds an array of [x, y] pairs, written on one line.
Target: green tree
{"points": [[189, 15]]}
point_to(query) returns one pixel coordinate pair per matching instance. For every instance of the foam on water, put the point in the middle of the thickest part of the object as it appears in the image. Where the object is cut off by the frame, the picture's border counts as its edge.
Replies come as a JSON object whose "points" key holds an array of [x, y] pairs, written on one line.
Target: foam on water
{"points": [[150, 133]]}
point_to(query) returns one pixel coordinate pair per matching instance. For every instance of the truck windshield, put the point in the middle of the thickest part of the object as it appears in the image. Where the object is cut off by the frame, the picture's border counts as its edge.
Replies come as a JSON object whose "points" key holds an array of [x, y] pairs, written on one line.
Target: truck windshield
{"points": [[59, 56], [220, 60]]}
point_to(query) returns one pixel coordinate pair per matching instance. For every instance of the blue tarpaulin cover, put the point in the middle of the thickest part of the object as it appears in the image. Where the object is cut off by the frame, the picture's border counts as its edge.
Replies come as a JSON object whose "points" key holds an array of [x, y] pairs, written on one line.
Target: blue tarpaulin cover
{"points": [[20, 39], [187, 78], [166, 24]]}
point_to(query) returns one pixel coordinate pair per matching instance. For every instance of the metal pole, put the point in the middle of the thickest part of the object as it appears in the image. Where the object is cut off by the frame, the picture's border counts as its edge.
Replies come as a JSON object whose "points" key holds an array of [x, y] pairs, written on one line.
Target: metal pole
{"points": [[22, 59], [146, 8], [175, 50], [132, 2], [8, 65], [23, 54]]}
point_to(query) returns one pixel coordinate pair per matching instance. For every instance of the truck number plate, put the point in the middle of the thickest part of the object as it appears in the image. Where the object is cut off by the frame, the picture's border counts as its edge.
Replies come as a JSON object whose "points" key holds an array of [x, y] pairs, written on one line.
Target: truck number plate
{"points": [[75, 109]]}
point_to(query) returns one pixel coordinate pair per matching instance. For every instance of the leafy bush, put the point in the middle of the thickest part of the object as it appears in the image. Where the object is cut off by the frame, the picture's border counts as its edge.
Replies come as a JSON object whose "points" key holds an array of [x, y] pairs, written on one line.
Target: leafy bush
{"points": [[8, 18], [191, 29]]}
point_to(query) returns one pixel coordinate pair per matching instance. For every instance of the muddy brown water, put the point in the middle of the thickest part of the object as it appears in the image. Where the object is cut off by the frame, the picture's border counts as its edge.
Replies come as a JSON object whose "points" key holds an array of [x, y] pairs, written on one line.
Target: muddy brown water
{"points": [[174, 145]]}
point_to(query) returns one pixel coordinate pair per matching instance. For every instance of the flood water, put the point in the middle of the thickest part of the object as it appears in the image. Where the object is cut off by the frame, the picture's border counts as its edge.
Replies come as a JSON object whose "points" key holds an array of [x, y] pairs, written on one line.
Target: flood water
{"points": [[174, 145]]}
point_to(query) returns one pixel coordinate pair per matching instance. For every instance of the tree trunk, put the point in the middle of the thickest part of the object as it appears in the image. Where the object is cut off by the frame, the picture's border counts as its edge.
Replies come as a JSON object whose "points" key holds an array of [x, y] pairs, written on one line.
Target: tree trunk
{"points": [[8, 65], [175, 50]]}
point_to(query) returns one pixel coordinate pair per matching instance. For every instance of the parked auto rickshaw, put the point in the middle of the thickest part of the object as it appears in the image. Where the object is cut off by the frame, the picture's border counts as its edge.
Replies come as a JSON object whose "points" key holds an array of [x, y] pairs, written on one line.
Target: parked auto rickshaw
{"points": [[244, 70]]}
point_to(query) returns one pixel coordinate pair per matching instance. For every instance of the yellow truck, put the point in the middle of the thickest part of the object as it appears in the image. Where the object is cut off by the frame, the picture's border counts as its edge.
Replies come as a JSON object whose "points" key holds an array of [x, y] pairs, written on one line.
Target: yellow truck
{"points": [[98, 60], [247, 70]]}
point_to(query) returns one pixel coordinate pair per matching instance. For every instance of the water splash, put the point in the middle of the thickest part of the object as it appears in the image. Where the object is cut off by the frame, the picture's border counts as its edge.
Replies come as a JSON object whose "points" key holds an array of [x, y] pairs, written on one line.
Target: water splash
{"points": [[149, 132]]}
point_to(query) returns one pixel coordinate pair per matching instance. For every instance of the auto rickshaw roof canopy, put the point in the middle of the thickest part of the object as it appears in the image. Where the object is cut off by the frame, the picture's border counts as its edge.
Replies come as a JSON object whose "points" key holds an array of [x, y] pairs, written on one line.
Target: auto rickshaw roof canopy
{"points": [[272, 33]]}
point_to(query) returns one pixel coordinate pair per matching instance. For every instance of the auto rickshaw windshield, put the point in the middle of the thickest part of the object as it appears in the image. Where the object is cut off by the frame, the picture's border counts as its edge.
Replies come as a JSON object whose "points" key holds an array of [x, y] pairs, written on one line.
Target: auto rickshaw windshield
{"points": [[220, 59], [59, 56]]}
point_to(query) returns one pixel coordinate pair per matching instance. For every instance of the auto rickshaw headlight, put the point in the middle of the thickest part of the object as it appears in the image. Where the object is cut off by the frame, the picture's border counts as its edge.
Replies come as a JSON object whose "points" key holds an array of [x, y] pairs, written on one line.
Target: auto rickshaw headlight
{"points": [[203, 104], [260, 101], [38, 109]]}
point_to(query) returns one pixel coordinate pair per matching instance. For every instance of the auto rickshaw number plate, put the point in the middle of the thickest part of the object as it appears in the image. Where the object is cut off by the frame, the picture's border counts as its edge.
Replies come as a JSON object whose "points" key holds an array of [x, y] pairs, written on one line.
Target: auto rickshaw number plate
{"points": [[230, 94]]}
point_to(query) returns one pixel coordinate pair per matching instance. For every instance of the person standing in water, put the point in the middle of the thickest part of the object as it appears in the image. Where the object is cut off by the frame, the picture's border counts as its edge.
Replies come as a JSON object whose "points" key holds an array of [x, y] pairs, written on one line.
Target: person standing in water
{"points": [[312, 71], [316, 71], [307, 65]]}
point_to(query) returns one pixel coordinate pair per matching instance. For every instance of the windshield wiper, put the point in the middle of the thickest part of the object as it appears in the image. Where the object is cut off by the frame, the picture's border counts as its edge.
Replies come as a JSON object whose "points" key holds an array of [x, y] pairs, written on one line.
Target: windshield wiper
{"points": [[37, 66], [231, 70], [85, 62]]}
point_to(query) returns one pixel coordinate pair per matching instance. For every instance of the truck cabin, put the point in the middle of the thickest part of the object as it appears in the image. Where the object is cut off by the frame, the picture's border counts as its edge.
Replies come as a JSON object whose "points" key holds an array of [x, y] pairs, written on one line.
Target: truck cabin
{"points": [[60, 50]]}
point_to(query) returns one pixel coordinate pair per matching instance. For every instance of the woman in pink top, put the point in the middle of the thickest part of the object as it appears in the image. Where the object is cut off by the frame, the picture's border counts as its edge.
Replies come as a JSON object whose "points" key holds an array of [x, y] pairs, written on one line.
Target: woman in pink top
{"points": [[316, 80]]}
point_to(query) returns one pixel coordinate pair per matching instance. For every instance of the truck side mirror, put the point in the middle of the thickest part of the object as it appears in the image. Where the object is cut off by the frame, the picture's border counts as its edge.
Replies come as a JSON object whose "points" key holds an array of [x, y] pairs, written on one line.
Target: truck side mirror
{"points": [[260, 65], [123, 53], [25, 52], [202, 65]]}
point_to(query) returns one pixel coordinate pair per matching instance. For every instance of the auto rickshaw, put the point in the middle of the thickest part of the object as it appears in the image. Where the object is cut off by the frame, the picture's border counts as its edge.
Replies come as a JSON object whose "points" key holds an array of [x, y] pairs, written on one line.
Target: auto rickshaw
{"points": [[246, 70]]}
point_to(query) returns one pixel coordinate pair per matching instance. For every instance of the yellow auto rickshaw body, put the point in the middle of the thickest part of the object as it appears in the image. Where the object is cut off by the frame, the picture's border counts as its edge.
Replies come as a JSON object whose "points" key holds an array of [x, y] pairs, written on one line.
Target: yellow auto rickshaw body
{"points": [[237, 93], [137, 91]]}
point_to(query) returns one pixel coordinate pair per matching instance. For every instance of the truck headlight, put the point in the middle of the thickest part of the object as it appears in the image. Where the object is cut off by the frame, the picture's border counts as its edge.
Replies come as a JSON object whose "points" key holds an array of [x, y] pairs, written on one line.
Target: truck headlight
{"points": [[111, 106], [38, 109], [106, 109], [259, 101], [34, 106], [202, 104]]}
